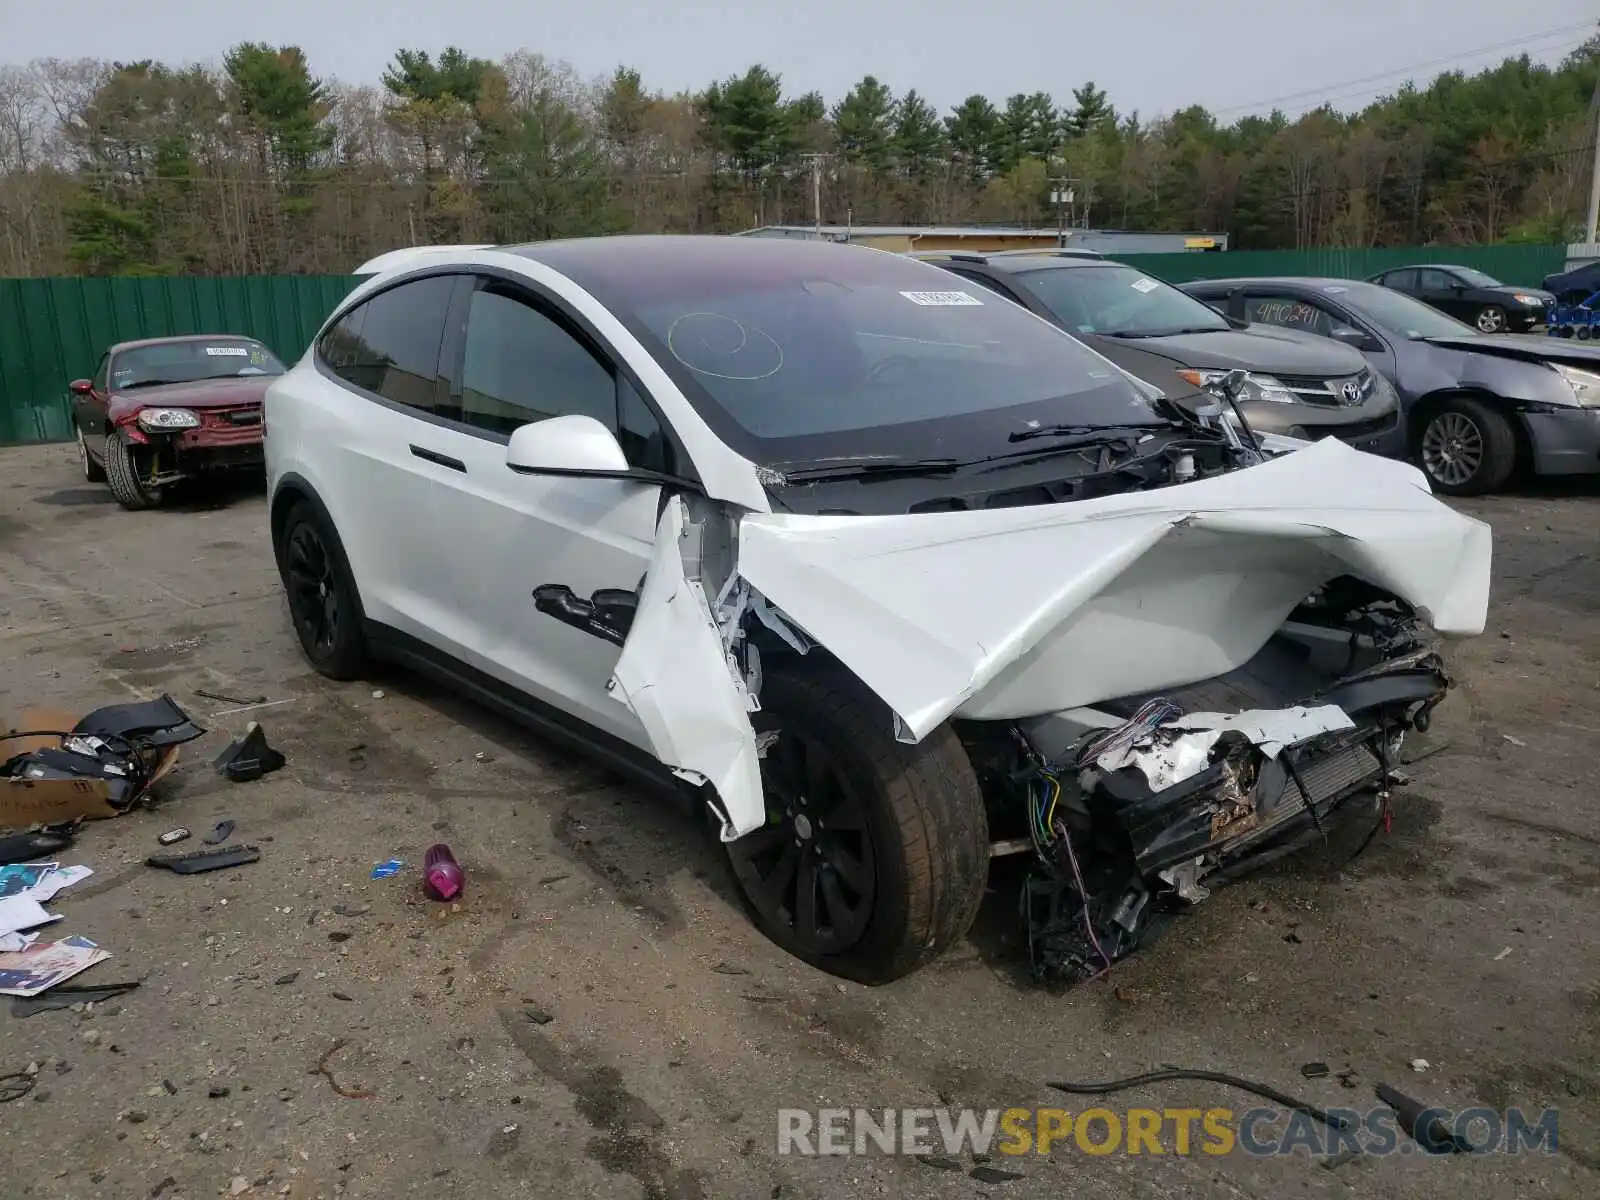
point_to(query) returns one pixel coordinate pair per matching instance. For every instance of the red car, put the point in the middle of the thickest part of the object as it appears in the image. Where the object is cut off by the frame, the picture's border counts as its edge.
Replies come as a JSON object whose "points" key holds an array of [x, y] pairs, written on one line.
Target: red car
{"points": [[167, 409]]}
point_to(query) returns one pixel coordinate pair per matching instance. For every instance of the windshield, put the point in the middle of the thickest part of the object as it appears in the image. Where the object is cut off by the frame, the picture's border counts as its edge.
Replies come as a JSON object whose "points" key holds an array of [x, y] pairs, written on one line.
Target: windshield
{"points": [[1119, 301], [794, 351], [191, 360], [1475, 278], [1397, 312]]}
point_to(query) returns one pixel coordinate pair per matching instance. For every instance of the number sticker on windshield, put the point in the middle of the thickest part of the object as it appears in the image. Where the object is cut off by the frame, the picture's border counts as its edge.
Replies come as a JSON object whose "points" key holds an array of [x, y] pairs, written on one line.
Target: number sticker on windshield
{"points": [[227, 352], [942, 299], [1144, 285]]}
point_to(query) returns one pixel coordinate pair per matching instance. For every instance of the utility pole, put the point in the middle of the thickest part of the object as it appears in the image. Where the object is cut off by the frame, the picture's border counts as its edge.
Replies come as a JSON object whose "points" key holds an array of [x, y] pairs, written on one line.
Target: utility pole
{"points": [[1594, 167], [1063, 196], [816, 189]]}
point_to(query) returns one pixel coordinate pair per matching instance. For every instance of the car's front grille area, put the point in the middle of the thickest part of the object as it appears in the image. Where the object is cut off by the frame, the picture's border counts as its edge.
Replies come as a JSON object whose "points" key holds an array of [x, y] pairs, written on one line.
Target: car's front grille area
{"points": [[1331, 393]]}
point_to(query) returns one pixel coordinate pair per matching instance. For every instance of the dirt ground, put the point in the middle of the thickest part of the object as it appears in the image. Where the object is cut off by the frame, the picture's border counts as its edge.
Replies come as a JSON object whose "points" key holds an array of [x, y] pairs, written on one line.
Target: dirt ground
{"points": [[597, 1018]]}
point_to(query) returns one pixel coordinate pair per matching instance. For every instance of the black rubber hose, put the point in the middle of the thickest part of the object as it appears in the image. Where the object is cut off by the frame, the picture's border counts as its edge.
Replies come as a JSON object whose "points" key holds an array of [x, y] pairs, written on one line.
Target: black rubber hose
{"points": [[1233, 1081]]}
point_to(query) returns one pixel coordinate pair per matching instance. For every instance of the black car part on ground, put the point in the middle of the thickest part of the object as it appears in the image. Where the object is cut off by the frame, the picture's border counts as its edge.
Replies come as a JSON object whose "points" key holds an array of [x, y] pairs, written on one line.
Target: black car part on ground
{"points": [[119, 746], [1116, 855]]}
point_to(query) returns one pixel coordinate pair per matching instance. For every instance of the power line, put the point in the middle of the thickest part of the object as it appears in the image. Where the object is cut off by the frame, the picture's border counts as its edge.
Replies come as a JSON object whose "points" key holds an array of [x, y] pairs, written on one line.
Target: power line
{"points": [[1326, 91]]}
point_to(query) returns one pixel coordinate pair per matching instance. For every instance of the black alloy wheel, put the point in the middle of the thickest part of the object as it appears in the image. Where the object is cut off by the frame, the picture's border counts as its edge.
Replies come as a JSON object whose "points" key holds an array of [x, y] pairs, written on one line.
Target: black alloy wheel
{"points": [[321, 594], [811, 871]]}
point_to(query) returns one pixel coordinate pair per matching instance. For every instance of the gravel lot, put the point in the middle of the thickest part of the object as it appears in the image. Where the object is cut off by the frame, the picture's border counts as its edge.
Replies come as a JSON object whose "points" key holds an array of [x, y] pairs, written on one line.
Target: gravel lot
{"points": [[596, 1017]]}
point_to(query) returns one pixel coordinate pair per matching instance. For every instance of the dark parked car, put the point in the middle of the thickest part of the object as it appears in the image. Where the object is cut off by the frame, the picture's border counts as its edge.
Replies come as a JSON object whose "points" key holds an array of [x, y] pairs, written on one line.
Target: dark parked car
{"points": [[1478, 406], [1472, 296], [166, 409], [1296, 386]]}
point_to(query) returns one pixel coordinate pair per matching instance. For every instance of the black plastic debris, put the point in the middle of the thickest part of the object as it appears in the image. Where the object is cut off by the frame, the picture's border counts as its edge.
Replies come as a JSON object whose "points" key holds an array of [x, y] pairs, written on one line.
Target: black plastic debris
{"points": [[249, 757], [197, 861], [220, 834], [1433, 1136], [1315, 1070], [120, 746], [66, 995], [30, 847], [994, 1175]]}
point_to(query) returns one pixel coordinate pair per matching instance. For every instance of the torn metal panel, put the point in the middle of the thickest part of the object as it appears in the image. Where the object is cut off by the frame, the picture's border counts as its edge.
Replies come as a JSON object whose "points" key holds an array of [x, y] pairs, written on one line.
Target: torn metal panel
{"points": [[676, 675], [1181, 747], [1009, 613]]}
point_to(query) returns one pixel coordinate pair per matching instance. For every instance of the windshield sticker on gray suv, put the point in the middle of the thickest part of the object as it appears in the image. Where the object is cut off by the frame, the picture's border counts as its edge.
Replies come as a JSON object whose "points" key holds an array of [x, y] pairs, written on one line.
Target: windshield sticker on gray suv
{"points": [[1144, 285], [227, 352], [943, 299]]}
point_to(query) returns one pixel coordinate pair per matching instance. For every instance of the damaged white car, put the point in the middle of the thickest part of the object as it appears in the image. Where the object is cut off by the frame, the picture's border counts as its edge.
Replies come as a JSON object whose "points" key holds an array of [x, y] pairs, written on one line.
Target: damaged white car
{"points": [[885, 576]]}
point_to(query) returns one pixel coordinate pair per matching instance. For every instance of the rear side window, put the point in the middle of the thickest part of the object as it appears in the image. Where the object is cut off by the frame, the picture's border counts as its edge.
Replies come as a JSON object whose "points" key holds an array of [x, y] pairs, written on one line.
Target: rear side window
{"points": [[390, 344]]}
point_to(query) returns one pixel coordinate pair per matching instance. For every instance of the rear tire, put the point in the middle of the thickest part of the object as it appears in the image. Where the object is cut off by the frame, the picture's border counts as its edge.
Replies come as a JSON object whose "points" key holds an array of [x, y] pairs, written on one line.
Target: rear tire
{"points": [[1466, 448], [884, 843], [1491, 319], [92, 471], [122, 473], [322, 596]]}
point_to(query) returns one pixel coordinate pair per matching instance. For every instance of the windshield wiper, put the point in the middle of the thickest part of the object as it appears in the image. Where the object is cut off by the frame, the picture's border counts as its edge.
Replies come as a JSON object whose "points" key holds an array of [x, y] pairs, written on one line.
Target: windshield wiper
{"points": [[139, 383], [1132, 334], [864, 468], [1087, 435]]}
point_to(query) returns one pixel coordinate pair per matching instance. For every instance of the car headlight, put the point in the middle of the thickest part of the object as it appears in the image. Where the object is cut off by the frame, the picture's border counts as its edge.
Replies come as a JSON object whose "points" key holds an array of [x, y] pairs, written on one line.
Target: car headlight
{"points": [[1256, 386], [1585, 385], [162, 420], [1524, 298]]}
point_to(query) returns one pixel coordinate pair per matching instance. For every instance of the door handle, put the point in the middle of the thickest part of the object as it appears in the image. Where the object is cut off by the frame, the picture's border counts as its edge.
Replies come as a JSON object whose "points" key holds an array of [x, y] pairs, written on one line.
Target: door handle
{"points": [[443, 460]]}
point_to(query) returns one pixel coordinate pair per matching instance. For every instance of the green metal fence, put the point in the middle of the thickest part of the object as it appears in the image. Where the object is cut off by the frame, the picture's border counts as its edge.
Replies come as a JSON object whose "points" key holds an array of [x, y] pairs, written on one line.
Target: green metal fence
{"points": [[53, 331], [1525, 266]]}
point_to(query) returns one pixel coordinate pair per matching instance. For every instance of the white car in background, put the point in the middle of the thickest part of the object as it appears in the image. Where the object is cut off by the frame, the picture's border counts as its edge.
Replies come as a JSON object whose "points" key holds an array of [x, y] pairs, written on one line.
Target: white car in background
{"points": [[884, 574]]}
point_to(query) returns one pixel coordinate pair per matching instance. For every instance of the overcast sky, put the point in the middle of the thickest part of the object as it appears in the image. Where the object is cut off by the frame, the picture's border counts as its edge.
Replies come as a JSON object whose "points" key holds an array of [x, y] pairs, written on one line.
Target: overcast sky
{"points": [[1234, 56]]}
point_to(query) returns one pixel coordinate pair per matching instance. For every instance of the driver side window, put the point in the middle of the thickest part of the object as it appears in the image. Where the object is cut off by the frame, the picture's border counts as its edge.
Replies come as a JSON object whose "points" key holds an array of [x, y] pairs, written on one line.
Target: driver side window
{"points": [[1289, 312], [523, 361], [102, 374]]}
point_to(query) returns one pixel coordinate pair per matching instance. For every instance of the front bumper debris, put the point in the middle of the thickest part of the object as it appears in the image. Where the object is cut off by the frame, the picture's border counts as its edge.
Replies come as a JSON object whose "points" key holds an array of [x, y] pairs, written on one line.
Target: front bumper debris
{"points": [[1149, 815]]}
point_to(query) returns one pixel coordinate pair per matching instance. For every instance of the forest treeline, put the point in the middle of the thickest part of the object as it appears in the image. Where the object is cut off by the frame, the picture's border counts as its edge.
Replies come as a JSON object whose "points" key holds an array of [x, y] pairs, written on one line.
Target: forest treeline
{"points": [[260, 166]]}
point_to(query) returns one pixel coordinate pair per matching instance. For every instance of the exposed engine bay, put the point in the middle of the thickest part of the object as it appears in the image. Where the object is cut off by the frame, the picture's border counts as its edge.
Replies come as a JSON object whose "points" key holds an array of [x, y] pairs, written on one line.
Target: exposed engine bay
{"points": [[1137, 807]]}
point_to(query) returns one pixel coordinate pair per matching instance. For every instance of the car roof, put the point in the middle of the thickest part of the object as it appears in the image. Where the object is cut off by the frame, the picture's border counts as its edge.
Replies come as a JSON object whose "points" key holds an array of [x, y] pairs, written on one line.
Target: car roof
{"points": [[1313, 282], [1013, 261], [174, 339], [409, 254]]}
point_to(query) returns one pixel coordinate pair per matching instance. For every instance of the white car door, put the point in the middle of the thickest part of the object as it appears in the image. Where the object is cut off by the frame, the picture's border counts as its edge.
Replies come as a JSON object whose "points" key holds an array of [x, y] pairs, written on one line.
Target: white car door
{"points": [[504, 535], [364, 439]]}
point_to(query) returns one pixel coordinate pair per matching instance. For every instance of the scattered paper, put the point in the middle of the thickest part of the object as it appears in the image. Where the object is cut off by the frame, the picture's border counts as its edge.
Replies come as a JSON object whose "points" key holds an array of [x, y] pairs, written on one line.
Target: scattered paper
{"points": [[16, 878], [39, 968], [62, 877], [23, 912], [1502, 954], [16, 941]]}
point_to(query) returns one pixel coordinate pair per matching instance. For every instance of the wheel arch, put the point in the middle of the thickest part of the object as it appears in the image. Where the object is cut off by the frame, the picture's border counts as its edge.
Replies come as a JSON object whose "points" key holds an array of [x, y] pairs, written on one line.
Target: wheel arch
{"points": [[293, 489], [1423, 410]]}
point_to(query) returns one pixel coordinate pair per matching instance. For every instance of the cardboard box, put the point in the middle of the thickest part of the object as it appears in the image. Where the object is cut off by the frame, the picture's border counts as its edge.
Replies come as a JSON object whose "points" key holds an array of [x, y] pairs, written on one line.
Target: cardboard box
{"points": [[29, 802]]}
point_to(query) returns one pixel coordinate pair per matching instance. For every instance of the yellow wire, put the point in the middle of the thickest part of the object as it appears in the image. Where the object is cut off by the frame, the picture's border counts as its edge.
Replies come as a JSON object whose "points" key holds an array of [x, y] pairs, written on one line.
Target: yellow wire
{"points": [[1055, 794]]}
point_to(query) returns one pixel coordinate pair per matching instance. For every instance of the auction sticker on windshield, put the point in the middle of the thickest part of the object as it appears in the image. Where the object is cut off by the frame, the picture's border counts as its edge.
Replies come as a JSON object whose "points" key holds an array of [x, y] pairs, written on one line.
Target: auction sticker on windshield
{"points": [[227, 352], [1144, 285], [942, 299]]}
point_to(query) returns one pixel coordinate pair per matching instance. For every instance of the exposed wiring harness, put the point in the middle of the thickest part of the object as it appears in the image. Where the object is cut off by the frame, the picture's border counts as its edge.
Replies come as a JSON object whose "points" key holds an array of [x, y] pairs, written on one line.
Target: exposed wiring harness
{"points": [[1150, 717]]}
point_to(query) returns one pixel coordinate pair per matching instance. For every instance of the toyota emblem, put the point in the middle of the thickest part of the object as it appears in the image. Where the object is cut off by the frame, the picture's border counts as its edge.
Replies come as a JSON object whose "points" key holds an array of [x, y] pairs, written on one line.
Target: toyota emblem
{"points": [[1351, 392]]}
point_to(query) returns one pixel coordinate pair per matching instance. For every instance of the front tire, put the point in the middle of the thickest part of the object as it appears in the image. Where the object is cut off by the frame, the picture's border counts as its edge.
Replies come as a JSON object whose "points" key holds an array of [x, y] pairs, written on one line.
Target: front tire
{"points": [[321, 593], [875, 854], [122, 473], [1467, 448], [93, 472], [1491, 319]]}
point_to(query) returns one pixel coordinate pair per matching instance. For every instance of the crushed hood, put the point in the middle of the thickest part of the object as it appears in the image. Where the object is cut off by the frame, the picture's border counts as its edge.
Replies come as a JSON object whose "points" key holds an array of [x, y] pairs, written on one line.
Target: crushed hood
{"points": [[1018, 612]]}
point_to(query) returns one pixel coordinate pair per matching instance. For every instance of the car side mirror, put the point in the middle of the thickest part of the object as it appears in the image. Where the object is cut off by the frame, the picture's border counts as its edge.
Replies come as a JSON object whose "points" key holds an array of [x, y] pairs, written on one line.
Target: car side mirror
{"points": [[80, 387], [1359, 338], [562, 445]]}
